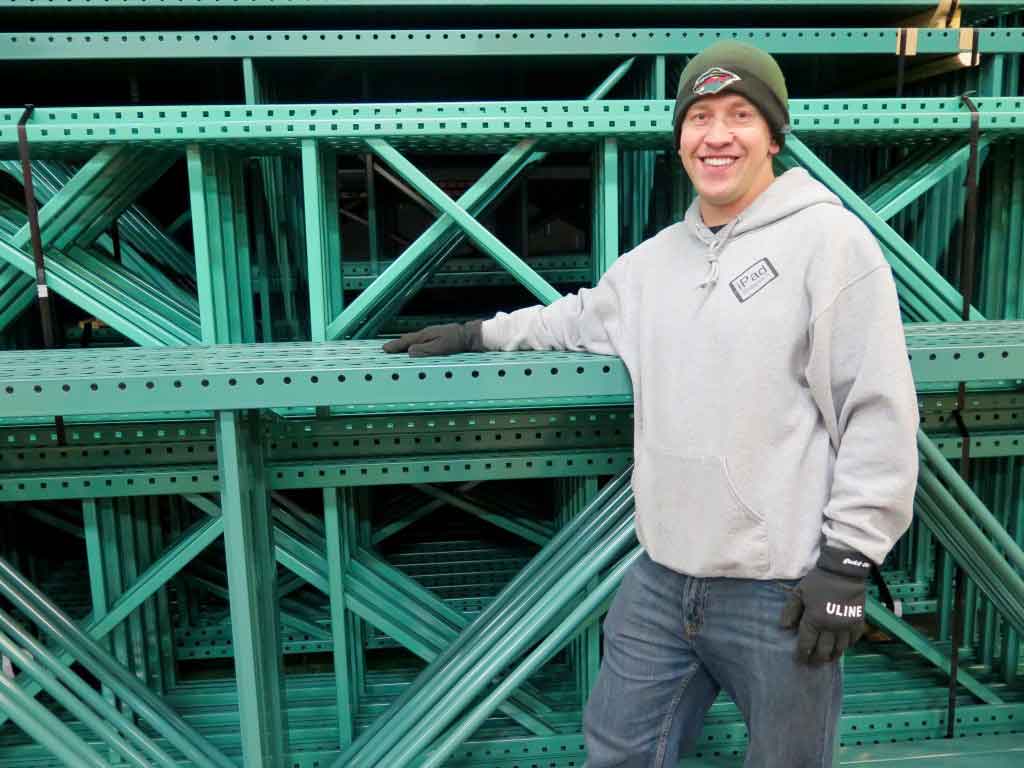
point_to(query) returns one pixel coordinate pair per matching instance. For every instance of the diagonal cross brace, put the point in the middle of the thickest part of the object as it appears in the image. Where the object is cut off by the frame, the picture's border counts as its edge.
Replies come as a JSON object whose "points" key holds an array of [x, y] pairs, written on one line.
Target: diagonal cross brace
{"points": [[96, 195], [909, 181], [419, 620], [474, 200], [194, 541], [476, 231], [881, 617], [139, 323]]}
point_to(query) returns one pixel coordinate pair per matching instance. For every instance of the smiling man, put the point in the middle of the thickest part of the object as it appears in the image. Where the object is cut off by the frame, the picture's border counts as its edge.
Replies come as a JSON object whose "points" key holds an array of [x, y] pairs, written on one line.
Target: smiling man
{"points": [[775, 423]]}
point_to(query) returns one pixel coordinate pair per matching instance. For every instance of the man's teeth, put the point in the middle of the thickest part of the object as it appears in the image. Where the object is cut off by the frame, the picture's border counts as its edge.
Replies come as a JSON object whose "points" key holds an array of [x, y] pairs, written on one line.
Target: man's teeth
{"points": [[717, 161]]}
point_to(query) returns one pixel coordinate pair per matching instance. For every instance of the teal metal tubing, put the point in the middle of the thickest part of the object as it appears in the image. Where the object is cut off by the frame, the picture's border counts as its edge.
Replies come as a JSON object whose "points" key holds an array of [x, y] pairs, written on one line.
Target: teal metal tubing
{"points": [[880, 616], [140, 699], [973, 550], [395, 589], [496, 622], [494, 611], [965, 495], [194, 541], [537, 658], [475, 199], [64, 697], [476, 231], [507, 646], [42, 726]]}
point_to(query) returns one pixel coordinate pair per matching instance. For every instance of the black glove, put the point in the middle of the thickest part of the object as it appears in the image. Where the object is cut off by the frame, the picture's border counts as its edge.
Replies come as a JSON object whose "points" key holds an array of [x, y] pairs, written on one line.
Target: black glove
{"points": [[448, 339], [828, 606]]}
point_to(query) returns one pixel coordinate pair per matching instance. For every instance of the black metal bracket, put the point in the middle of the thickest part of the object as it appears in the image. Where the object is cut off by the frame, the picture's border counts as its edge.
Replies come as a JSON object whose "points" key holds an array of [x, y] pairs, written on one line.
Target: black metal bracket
{"points": [[32, 211], [967, 261]]}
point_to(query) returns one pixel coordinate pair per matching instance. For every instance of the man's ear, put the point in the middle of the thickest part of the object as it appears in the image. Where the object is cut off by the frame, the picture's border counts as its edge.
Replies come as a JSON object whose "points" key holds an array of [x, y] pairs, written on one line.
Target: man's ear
{"points": [[773, 148]]}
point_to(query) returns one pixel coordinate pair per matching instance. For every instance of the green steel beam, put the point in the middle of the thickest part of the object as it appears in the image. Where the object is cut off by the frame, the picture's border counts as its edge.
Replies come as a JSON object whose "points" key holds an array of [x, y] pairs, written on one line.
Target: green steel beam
{"points": [[901, 6], [327, 474], [473, 229], [879, 616], [476, 126], [419, 260], [524, 528], [383, 597], [220, 234], [78, 645], [605, 237], [116, 297], [252, 585], [140, 234], [92, 199], [340, 541], [17, 293], [358, 373], [323, 237], [372, 43], [274, 375], [106, 619], [475, 274], [909, 181]]}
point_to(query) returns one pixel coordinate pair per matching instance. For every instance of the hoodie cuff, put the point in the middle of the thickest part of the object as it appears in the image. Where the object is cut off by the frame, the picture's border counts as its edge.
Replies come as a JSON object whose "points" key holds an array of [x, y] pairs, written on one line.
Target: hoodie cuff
{"points": [[489, 334]]}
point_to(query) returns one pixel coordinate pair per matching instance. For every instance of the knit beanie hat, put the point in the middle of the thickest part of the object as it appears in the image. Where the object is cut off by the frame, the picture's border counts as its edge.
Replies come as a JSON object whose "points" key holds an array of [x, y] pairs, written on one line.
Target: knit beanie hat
{"points": [[732, 66]]}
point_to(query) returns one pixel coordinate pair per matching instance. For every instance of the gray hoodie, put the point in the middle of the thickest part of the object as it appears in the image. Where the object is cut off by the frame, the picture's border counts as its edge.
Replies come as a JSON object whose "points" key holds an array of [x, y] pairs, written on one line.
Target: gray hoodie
{"points": [[773, 397]]}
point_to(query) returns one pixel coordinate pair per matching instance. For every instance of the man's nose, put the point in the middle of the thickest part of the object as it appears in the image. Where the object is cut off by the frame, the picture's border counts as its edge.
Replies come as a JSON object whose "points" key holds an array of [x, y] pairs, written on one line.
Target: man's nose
{"points": [[718, 133]]}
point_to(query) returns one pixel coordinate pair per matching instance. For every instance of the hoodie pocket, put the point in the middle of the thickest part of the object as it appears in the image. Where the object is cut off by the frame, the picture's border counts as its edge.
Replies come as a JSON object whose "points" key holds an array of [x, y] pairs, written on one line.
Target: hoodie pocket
{"points": [[691, 518]]}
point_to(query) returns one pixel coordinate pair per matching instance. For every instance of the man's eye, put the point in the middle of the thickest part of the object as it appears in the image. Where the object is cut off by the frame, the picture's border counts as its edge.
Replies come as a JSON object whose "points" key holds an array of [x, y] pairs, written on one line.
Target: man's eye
{"points": [[744, 114], [699, 117]]}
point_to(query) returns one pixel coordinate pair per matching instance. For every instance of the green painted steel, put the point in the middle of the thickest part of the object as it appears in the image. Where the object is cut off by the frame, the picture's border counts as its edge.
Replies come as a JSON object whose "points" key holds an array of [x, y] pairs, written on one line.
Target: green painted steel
{"points": [[479, 126], [318, 554], [358, 374], [596, 41], [903, 6], [252, 589]]}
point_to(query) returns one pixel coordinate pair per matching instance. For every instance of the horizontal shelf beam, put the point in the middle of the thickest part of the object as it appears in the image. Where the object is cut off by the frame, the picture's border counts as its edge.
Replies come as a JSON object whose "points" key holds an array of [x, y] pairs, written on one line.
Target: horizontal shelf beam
{"points": [[328, 474], [357, 374], [371, 43], [284, 5], [474, 126]]}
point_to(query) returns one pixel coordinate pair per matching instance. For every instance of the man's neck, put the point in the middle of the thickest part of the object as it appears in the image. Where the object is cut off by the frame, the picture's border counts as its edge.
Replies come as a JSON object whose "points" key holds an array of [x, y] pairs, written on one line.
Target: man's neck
{"points": [[716, 215]]}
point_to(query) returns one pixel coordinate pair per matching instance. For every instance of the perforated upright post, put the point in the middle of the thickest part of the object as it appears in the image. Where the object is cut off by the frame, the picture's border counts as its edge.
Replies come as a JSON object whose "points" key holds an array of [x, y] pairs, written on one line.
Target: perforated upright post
{"points": [[252, 588]]}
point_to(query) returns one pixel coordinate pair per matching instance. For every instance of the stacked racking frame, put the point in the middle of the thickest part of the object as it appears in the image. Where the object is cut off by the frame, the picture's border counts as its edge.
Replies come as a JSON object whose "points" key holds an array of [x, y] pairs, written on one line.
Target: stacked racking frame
{"points": [[234, 532]]}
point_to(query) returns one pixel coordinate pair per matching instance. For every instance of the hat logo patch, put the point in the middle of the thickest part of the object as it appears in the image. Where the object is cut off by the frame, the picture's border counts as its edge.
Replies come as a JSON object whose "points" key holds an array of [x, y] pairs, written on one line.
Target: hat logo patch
{"points": [[714, 80]]}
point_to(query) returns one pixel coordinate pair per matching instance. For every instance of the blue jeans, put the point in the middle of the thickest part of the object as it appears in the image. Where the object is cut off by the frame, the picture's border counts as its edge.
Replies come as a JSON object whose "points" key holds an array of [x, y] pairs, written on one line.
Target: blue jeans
{"points": [[671, 642]]}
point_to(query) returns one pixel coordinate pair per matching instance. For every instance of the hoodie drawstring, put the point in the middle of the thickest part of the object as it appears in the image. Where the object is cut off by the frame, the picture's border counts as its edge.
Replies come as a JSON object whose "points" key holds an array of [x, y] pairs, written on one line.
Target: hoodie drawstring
{"points": [[713, 269], [712, 276]]}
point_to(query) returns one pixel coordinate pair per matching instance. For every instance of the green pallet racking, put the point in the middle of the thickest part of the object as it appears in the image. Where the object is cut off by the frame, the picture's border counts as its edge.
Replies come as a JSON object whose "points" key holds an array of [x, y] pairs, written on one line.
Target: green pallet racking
{"points": [[253, 538]]}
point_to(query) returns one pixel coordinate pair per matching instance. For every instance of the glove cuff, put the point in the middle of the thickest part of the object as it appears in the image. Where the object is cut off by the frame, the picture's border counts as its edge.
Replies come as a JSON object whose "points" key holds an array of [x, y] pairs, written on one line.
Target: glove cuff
{"points": [[473, 335], [844, 562]]}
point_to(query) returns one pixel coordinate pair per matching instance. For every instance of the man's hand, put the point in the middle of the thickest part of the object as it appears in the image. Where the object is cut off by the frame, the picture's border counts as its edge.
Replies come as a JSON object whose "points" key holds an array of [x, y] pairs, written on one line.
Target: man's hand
{"points": [[828, 606], [448, 339]]}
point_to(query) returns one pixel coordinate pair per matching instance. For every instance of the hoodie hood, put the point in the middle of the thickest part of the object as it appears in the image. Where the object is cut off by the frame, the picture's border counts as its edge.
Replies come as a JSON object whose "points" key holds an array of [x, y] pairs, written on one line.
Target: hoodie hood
{"points": [[790, 193]]}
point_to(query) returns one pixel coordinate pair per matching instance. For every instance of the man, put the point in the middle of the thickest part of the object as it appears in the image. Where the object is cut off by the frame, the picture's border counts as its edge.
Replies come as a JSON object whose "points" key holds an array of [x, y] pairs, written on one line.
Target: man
{"points": [[775, 422]]}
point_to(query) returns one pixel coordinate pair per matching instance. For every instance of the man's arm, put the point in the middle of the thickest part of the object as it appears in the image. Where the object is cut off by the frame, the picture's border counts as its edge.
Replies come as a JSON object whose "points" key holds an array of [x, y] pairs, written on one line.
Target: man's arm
{"points": [[860, 376], [590, 320]]}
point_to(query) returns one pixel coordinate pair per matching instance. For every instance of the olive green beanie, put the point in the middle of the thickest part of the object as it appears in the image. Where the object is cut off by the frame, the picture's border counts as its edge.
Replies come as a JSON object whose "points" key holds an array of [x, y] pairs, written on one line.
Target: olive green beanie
{"points": [[729, 65]]}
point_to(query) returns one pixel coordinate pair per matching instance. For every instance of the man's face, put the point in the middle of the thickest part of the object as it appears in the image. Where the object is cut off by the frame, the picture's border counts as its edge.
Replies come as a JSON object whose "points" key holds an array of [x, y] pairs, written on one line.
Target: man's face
{"points": [[726, 148]]}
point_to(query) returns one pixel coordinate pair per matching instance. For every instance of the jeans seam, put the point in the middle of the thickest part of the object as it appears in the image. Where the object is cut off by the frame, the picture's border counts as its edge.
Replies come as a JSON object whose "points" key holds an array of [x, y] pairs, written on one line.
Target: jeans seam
{"points": [[825, 744], [659, 755]]}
